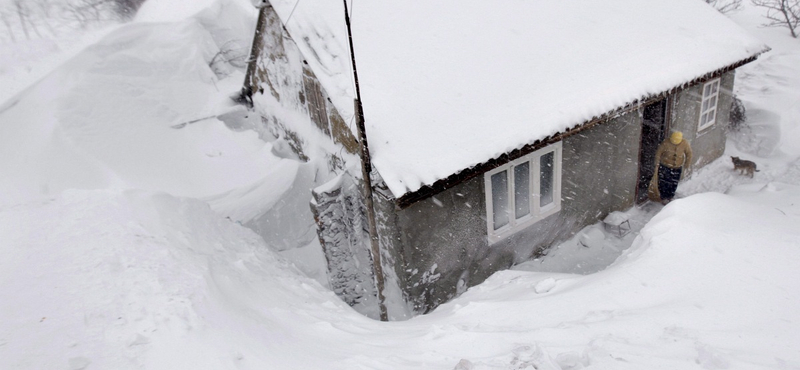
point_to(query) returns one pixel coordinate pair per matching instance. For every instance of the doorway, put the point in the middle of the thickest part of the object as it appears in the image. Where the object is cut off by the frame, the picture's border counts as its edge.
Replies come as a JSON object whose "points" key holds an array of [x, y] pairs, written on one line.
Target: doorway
{"points": [[654, 129]]}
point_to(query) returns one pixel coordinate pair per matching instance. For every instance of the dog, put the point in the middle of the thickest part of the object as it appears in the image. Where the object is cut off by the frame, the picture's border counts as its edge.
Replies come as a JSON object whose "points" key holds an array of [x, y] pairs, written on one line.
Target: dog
{"points": [[744, 166]]}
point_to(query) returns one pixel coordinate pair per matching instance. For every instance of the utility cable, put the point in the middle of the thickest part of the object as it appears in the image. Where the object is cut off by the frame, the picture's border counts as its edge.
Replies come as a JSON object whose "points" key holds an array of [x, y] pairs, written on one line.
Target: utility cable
{"points": [[291, 14], [352, 81]]}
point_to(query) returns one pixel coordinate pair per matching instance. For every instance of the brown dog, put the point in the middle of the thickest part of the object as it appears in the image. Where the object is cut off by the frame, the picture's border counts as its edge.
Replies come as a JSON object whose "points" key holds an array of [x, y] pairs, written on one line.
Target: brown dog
{"points": [[744, 166]]}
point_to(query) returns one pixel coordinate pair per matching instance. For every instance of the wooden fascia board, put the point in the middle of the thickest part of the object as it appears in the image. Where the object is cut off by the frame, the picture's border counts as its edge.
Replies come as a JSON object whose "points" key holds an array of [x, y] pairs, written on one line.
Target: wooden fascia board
{"points": [[439, 186]]}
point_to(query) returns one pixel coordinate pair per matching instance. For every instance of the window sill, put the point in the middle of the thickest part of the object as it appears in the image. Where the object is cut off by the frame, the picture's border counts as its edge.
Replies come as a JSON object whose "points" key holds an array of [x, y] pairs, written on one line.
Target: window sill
{"points": [[705, 130]]}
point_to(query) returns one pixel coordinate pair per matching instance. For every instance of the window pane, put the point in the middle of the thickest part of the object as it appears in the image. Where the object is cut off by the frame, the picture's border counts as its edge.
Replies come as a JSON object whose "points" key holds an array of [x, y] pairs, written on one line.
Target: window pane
{"points": [[500, 199], [522, 192], [716, 86], [546, 179], [703, 119], [707, 90], [710, 116], [713, 102], [705, 106]]}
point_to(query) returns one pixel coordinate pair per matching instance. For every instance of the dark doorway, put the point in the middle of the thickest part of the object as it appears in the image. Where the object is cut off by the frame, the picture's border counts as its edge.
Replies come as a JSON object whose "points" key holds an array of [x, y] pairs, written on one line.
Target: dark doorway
{"points": [[654, 128]]}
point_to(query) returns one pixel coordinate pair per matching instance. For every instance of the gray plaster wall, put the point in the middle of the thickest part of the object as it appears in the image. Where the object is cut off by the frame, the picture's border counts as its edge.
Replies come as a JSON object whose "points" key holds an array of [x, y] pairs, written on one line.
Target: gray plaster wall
{"points": [[443, 244], [709, 144], [442, 241], [600, 169]]}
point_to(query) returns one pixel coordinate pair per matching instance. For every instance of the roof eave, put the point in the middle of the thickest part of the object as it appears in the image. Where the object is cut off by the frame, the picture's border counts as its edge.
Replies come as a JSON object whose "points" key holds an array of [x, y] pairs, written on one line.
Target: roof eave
{"points": [[441, 185]]}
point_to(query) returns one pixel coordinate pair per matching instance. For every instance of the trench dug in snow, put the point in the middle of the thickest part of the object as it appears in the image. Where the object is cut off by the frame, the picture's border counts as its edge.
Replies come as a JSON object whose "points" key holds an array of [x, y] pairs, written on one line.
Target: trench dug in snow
{"points": [[595, 247]]}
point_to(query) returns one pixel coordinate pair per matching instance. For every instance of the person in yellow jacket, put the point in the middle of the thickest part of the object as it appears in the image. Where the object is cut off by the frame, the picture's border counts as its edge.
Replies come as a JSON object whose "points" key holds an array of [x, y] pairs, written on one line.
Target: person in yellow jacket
{"points": [[672, 156]]}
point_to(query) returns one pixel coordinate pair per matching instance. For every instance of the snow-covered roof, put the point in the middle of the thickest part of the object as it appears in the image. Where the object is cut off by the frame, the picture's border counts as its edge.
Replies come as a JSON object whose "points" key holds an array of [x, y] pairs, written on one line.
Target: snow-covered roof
{"points": [[449, 84]]}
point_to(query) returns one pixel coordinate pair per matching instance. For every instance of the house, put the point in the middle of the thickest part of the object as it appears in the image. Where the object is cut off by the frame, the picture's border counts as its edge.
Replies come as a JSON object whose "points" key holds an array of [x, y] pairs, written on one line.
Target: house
{"points": [[495, 128]]}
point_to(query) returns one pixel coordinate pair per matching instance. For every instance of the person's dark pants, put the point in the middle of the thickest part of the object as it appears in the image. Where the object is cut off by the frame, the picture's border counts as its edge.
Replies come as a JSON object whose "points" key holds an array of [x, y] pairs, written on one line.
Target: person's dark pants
{"points": [[668, 179]]}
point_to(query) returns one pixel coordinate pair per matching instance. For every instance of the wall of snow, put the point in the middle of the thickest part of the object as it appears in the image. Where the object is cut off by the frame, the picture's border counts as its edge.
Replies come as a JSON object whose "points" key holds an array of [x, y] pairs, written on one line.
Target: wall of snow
{"points": [[134, 279], [291, 111], [117, 116], [178, 10]]}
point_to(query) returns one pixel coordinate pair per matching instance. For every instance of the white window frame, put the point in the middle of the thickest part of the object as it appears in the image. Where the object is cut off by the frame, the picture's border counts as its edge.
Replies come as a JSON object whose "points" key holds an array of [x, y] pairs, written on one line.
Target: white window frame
{"points": [[709, 104], [537, 213]]}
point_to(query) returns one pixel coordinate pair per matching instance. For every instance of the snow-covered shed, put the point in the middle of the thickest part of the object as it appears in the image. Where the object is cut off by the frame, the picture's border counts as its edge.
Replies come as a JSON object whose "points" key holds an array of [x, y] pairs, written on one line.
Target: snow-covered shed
{"points": [[495, 128]]}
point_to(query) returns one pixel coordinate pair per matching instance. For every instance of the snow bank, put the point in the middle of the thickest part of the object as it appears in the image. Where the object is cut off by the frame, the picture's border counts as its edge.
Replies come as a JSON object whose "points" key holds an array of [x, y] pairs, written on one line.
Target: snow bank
{"points": [[107, 279], [276, 207], [135, 110], [177, 10], [769, 90], [710, 282], [119, 280], [170, 11]]}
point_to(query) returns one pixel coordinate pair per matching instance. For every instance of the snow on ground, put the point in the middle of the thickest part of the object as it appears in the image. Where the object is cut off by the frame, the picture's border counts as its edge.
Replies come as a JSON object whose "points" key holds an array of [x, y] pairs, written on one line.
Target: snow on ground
{"points": [[24, 63], [770, 87], [109, 264], [110, 279], [130, 279], [134, 110], [170, 11], [595, 247]]}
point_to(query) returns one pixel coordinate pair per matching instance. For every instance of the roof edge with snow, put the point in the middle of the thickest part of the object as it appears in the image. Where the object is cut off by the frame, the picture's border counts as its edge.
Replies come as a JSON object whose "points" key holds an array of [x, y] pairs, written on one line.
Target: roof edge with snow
{"points": [[427, 191]]}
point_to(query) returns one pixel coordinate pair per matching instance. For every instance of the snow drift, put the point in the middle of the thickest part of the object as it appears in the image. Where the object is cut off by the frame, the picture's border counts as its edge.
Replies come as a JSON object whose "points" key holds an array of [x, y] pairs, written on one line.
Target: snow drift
{"points": [[110, 279], [125, 279]]}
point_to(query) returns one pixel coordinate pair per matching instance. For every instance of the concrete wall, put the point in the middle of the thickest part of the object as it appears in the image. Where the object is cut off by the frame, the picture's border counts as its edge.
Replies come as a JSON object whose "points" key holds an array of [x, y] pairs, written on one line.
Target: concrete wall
{"points": [[708, 144], [442, 241], [601, 168]]}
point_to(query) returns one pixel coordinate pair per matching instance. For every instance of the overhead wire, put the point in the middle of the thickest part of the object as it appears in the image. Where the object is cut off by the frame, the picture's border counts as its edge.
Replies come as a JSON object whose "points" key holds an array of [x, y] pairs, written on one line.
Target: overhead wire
{"points": [[291, 13], [352, 80]]}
